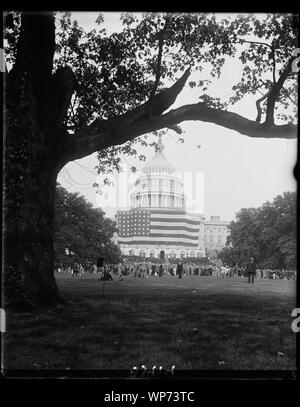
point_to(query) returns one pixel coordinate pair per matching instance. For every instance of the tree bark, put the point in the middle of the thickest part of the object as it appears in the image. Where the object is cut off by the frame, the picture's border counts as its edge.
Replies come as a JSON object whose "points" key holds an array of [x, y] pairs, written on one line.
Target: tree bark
{"points": [[29, 195], [30, 171], [30, 184]]}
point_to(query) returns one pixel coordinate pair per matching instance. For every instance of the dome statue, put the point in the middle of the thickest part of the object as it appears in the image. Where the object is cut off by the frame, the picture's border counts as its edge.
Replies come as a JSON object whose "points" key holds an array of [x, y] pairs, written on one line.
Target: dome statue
{"points": [[159, 162]]}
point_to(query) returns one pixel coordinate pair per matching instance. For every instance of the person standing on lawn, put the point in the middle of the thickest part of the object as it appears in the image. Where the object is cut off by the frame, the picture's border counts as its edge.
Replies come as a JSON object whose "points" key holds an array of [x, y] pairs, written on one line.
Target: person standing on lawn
{"points": [[160, 270], [251, 270], [179, 269], [76, 269], [120, 272]]}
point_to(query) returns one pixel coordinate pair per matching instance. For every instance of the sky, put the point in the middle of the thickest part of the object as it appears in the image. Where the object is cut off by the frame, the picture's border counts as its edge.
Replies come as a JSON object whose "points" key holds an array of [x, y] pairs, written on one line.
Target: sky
{"points": [[236, 171]]}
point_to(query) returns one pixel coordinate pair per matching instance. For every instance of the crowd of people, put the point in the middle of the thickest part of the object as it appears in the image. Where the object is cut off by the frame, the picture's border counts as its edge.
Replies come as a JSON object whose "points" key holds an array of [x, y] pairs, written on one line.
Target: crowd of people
{"points": [[147, 269]]}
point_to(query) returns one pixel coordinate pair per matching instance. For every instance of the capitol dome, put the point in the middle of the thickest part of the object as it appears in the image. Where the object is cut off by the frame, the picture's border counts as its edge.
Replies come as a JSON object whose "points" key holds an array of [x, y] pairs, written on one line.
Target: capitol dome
{"points": [[159, 162], [158, 186]]}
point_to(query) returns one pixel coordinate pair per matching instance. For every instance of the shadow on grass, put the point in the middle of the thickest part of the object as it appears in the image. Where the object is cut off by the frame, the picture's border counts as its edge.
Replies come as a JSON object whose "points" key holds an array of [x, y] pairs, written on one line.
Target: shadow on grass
{"points": [[223, 326]]}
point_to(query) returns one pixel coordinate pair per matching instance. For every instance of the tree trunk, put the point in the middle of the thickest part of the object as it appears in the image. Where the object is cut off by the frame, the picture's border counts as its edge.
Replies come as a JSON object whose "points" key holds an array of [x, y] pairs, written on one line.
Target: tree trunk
{"points": [[29, 193], [29, 256], [31, 167]]}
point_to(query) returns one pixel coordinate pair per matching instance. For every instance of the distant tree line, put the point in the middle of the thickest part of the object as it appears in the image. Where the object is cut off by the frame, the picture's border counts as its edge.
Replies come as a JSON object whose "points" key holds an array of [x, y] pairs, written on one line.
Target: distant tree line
{"points": [[267, 233], [82, 232]]}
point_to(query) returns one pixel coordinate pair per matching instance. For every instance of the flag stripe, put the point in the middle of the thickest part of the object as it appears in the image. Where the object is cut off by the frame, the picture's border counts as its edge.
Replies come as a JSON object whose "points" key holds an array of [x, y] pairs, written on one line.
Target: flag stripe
{"points": [[155, 241], [174, 226], [175, 212], [172, 219], [177, 236], [173, 232]]}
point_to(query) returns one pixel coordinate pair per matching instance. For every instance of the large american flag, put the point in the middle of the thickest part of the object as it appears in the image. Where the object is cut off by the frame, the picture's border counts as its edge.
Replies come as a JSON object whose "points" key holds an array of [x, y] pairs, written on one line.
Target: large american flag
{"points": [[158, 226]]}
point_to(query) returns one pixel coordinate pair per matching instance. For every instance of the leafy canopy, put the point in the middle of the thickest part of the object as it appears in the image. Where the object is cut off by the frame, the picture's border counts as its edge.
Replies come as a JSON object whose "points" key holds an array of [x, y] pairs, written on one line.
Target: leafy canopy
{"points": [[267, 233], [119, 71], [82, 233]]}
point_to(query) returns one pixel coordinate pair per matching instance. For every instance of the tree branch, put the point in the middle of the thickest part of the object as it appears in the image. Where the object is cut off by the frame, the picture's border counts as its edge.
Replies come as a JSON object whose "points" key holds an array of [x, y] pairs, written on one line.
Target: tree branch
{"points": [[63, 86], [102, 134], [158, 65], [254, 42], [176, 128], [117, 131], [274, 92], [258, 107], [229, 120], [161, 102], [273, 64]]}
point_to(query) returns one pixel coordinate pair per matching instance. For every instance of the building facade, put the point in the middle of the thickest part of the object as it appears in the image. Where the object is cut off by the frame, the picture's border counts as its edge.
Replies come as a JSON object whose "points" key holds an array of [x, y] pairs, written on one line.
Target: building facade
{"points": [[157, 223]]}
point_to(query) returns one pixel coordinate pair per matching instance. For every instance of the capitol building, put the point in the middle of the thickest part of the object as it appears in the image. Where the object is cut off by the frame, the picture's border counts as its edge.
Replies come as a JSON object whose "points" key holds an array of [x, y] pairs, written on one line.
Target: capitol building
{"points": [[157, 223], [159, 186]]}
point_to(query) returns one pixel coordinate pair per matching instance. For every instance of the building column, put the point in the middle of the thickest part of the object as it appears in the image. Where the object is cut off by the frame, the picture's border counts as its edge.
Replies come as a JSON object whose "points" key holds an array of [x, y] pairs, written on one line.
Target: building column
{"points": [[201, 237]]}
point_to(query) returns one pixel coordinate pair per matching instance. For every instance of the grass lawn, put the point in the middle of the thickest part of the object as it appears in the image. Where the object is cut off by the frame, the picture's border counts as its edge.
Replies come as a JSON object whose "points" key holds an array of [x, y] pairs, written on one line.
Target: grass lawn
{"points": [[194, 323]]}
